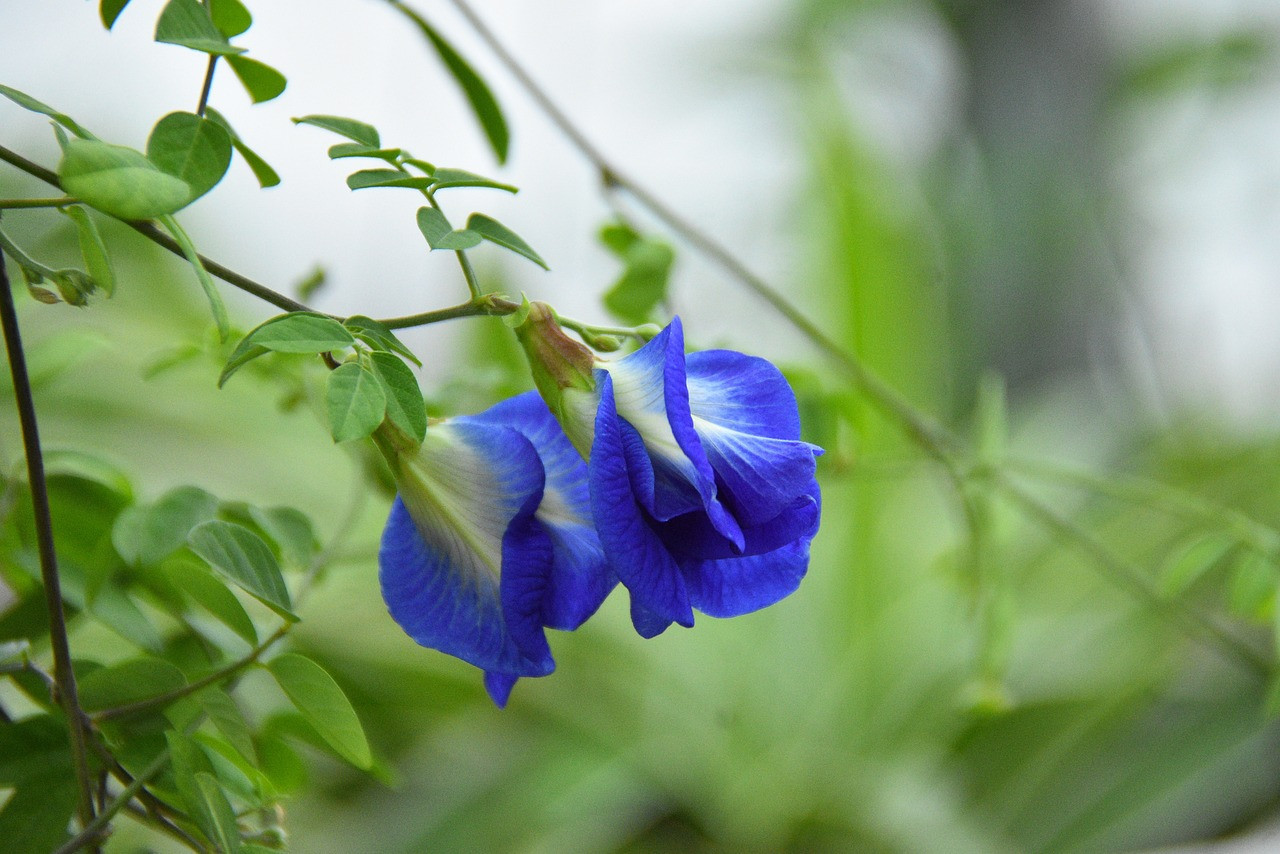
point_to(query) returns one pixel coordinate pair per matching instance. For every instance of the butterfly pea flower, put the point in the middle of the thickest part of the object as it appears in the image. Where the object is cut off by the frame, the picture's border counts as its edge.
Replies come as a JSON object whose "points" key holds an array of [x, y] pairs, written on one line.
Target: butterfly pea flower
{"points": [[490, 539], [702, 492]]}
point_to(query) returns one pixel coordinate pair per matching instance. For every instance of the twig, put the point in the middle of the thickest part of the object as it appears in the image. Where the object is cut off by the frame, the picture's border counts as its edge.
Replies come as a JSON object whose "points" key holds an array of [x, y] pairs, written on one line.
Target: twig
{"points": [[95, 827], [199, 684], [63, 674]]}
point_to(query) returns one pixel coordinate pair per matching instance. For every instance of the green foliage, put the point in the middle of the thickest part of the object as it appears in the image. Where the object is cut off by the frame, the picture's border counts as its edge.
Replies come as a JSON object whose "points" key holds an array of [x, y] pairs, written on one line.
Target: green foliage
{"points": [[109, 11], [243, 558], [365, 134], [92, 249], [323, 705], [647, 264], [355, 401], [188, 23], [193, 149], [495, 232], [261, 81], [120, 181], [483, 104], [35, 763], [296, 332], [267, 177], [440, 234], [27, 102], [404, 406]]}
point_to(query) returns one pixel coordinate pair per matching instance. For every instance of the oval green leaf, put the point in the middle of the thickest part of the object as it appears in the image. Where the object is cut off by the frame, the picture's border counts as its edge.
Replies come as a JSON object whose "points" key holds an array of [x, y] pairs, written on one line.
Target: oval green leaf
{"points": [[378, 336], [230, 17], [244, 559], [194, 149], [495, 232], [267, 177], [366, 178], [261, 81], [405, 407], [92, 249], [356, 402], [318, 697], [446, 178], [146, 534], [128, 682], [188, 23], [119, 181], [300, 332], [22, 99], [439, 233], [353, 130]]}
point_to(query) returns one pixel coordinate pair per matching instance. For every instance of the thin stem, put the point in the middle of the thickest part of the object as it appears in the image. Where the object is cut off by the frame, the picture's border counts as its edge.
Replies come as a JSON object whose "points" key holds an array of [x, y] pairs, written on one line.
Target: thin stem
{"points": [[63, 674], [55, 202], [95, 827], [155, 235], [208, 84], [490, 304], [178, 693], [1132, 578], [468, 272], [23, 260]]}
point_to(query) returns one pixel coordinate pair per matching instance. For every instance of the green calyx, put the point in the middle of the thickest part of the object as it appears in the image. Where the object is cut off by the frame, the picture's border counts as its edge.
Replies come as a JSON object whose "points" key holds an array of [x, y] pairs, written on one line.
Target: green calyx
{"points": [[558, 362]]}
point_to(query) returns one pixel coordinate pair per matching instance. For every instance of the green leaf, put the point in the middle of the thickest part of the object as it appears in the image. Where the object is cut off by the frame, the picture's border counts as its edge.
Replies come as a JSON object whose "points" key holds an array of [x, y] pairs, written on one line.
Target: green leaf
{"points": [[355, 149], [193, 775], [146, 534], [446, 178], [378, 336], [1253, 585], [405, 407], [230, 17], [355, 401], [92, 249], [323, 704], [482, 102], [216, 306], [267, 177], [35, 762], [643, 283], [440, 235], [116, 609], [191, 148], [495, 232], [188, 23], [202, 588], [350, 128], [290, 529], [241, 357], [25, 101], [261, 81], [119, 181], [61, 461], [128, 682], [367, 178], [1189, 563], [300, 332], [229, 720], [109, 10], [243, 558]]}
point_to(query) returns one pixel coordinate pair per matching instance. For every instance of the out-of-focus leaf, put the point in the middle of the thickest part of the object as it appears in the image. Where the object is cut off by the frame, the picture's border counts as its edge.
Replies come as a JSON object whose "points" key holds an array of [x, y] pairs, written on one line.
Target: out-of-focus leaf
{"points": [[367, 178], [353, 130], [647, 264], [1253, 584], [261, 81], [378, 336], [193, 149], [205, 590], [35, 761], [1229, 60], [188, 23], [290, 529], [324, 705], [63, 461], [482, 102], [230, 17], [495, 232], [404, 407], [115, 608], [355, 402], [440, 235], [25, 101], [92, 249], [355, 149], [146, 534], [216, 307], [128, 682], [446, 178], [119, 181], [1189, 563], [243, 558], [229, 720], [109, 10], [262, 171]]}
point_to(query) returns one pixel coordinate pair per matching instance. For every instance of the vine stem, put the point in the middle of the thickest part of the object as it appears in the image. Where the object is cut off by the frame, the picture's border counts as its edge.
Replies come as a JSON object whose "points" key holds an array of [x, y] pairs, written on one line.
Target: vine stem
{"points": [[64, 676], [208, 85], [205, 681], [99, 823], [57, 202]]}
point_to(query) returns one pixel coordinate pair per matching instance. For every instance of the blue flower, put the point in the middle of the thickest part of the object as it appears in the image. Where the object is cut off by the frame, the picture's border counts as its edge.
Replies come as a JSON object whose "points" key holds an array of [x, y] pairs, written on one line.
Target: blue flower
{"points": [[490, 540], [702, 493]]}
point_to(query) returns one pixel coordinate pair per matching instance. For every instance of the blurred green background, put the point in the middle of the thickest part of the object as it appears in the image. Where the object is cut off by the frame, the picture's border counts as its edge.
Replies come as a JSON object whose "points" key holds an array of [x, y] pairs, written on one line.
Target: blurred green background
{"points": [[974, 210]]}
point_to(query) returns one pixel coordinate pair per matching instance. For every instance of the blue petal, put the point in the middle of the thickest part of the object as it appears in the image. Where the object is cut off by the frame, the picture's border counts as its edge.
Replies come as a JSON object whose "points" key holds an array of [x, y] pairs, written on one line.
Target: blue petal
{"points": [[652, 396], [580, 578], [760, 477], [727, 588], [445, 545], [636, 554], [743, 393], [499, 686], [692, 536]]}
